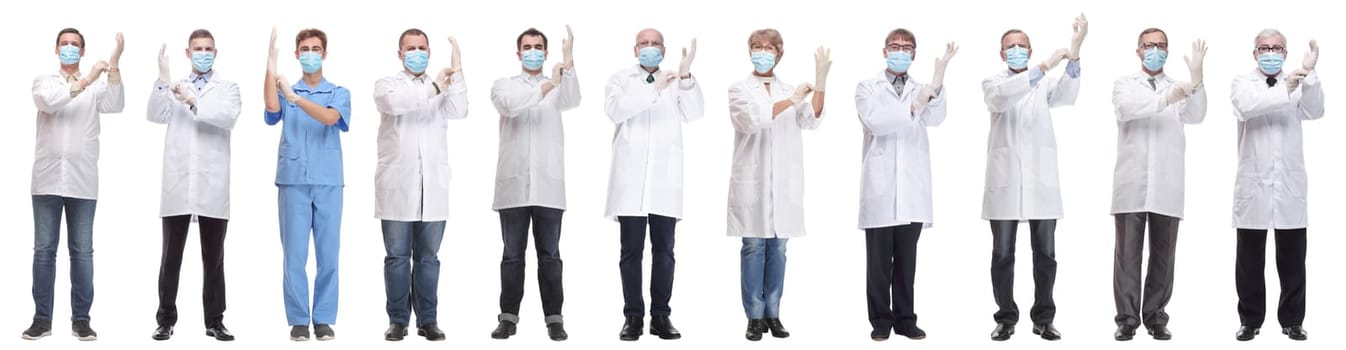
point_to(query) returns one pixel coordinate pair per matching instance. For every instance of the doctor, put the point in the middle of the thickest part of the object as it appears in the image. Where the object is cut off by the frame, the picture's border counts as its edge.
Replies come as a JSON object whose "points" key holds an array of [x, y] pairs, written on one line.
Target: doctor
{"points": [[649, 105], [411, 192], [766, 185], [70, 105], [309, 177], [895, 199], [200, 112], [1271, 188], [530, 176], [1021, 176], [1151, 109]]}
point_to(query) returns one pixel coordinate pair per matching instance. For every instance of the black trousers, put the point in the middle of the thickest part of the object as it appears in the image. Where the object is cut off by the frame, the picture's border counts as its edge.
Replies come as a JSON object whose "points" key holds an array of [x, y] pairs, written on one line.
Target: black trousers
{"points": [[212, 262], [890, 255], [661, 271], [1158, 288], [547, 241], [1003, 234], [1250, 276]]}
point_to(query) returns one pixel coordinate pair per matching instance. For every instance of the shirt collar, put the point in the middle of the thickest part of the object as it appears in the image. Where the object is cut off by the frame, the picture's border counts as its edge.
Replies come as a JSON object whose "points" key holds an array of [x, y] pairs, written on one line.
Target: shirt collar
{"points": [[894, 79], [66, 77], [207, 76], [323, 86]]}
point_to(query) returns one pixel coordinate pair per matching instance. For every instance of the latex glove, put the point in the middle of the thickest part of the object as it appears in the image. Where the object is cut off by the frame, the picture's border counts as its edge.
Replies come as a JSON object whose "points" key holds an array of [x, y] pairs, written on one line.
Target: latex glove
{"points": [[1295, 78], [663, 80], [284, 86], [1311, 58], [941, 64], [556, 74], [802, 91], [97, 71], [117, 51], [823, 63], [185, 93], [923, 99], [1054, 59], [1081, 29], [1179, 91], [456, 62], [164, 76], [568, 49], [1194, 62], [688, 53], [271, 54]]}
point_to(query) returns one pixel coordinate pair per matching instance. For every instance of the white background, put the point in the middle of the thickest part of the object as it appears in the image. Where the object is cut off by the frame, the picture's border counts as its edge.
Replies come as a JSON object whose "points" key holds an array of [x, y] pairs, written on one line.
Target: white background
{"points": [[824, 302]]}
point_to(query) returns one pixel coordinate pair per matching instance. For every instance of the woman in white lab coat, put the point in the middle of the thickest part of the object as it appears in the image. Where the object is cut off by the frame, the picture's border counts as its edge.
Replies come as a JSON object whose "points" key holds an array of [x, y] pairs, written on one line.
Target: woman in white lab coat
{"points": [[766, 187], [895, 199]]}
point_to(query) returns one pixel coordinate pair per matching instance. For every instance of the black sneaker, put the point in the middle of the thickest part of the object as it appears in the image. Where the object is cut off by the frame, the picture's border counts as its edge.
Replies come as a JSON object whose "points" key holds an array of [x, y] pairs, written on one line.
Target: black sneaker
{"points": [[39, 329], [323, 332], [80, 329], [299, 333]]}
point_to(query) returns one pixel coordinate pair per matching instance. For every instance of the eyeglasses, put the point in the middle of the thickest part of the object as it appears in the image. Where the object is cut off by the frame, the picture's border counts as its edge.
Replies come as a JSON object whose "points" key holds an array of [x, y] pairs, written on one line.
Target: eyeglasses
{"points": [[756, 47], [904, 48], [1269, 49], [1152, 45]]}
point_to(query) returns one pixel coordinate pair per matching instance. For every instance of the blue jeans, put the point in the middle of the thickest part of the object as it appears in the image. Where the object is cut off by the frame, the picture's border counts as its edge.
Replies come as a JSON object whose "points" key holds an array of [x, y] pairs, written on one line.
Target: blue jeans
{"points": [[316, 209], [47, 237], [412, 285], [546, 224], [763, 276]]}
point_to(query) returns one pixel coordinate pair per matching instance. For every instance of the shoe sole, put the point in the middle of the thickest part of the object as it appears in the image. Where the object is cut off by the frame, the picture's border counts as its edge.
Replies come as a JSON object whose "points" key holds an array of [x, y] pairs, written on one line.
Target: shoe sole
{"points": [[666, 337], [326, 337], [39, 336], [88, 338], [294, 338]]}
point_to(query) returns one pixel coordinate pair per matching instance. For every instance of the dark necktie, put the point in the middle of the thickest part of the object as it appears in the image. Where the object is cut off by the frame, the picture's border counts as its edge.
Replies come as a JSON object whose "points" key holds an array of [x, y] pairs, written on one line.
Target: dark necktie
{"points": [[1152, 85], [1271, 81], [649, 79]]}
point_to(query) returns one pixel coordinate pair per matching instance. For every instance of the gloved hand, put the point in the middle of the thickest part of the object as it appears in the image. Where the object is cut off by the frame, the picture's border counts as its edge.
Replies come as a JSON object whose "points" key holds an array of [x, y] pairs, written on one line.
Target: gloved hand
{"points": [[1054, 59], [685, 67], [117, 51], [1194, 63], [1295, 78], [1179, 91], [568, 49], [823, 63], [271, 55], [923, 99], [802, 91], [283, 85], [1081, 29], [456, 60], [445, 76], [1311, 58], [185, 93], [97, 71], [941, 64], [164, 76], [663, 79], [556, 74]]}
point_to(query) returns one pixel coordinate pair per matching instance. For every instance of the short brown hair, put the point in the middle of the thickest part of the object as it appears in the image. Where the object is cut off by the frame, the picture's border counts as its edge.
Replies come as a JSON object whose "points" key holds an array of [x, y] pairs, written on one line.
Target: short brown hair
{"points": [[311, 33], [1148, 31], [770, 35], [900, 33], [70, 31], [201, 33], [518, 43], [410, 32]]}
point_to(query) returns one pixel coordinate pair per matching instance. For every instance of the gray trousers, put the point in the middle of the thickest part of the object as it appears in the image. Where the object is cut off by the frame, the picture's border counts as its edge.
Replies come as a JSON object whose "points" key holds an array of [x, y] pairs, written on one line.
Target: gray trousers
{"points": [[1158, 288]]}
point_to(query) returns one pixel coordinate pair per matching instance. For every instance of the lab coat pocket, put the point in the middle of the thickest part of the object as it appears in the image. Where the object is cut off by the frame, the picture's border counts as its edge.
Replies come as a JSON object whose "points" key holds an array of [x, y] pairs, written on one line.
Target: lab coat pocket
{"points": [[1047, 169], [879, 175], [998, 169]]}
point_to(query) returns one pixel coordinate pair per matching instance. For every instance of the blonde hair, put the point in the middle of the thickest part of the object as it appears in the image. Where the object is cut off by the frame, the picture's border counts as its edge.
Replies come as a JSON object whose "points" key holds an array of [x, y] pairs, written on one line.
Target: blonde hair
{"points": [[770, 35]]}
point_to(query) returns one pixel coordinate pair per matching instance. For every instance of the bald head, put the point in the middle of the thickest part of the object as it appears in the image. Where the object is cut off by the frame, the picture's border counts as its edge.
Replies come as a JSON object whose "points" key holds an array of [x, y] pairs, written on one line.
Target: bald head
{"points": [[649, 35]]}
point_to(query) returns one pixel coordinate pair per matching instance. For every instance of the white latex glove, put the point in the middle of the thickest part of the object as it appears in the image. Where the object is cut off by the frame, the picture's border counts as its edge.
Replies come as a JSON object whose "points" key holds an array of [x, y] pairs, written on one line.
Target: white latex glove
{"points": [[185, 93], [941, 64], [1179, 91], [164, 76], [284, 86], [1296, 77], [1054, 59], [1194, 62], [456, 60], [1311, 58], [568, 48], [556, 74], [802, 91], [688, 53], [663, 80], [823, 64], [923, 99], [117, 51], [1081, 29], [271, 55], [97, 71]]}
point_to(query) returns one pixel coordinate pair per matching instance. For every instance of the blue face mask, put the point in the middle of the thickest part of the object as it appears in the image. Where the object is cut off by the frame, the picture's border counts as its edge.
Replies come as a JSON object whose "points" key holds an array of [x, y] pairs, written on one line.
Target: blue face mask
{"points": [[1017, 57], [1271, 62], [202, 61], [1154, 59], [416, 60], [899, 61], [69, 54], [763, 61], [310, 61], [533, 58], [651, 56]]}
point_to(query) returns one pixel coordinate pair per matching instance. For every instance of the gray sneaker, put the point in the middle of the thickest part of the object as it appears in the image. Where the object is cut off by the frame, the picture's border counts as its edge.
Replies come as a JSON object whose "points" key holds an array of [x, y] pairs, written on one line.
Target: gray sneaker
{"points": [[39, 329], [81, 330], [324, 332], [299, 333]]}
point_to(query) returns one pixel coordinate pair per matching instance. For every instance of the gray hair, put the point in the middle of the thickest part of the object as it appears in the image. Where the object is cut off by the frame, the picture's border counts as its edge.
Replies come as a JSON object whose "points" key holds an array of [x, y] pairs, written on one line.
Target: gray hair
{"points": [[1267, 33]]}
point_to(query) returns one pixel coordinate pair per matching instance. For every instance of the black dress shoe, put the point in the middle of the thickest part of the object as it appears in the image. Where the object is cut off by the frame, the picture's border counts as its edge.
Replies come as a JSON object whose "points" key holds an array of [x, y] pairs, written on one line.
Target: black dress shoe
{"points": [[557, 331], [1160, 333], [163, 333], [1002, 332], [1246, 333], [755, 329], [430, 331], [1047, 331], [663, 327], [503, 330], [879, 334], [912, 332], [1295, 332], [1124, 333], [632, 328], [395, 332], [777, 329], [219, 333]]}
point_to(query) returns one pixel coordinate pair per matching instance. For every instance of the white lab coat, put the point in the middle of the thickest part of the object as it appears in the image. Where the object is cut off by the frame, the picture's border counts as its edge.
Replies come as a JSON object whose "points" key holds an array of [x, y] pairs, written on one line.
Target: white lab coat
{"points": [[895, 183], [766, 186], [65, 160], [1271, 188], [530, 169], [411, 182], [1021, 170], [196, 147], [1151, 144], [646, 173]]}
